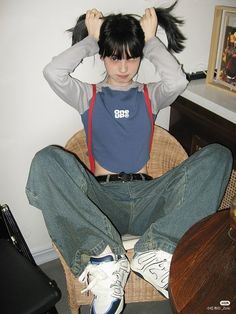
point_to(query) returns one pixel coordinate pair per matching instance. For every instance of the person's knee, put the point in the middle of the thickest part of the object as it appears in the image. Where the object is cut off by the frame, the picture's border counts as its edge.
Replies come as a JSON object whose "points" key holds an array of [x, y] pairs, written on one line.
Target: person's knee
{"points": [[221, 151], [47, 155], [219, 154]]}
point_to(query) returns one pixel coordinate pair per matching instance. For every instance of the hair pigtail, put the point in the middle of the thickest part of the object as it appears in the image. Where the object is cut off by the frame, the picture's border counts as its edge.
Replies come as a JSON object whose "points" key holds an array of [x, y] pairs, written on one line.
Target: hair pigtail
{"points": [[79, 31], [171, 25]]}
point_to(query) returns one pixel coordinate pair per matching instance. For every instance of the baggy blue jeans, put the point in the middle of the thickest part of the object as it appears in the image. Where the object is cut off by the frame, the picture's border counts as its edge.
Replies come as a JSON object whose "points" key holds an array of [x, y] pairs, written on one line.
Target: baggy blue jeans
{"points": [[83, 216]]}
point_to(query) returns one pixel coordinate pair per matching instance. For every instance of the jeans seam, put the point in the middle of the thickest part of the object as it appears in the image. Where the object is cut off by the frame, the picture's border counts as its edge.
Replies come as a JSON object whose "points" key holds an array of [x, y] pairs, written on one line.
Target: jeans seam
{"points": [[131, 207], [185, 186]]}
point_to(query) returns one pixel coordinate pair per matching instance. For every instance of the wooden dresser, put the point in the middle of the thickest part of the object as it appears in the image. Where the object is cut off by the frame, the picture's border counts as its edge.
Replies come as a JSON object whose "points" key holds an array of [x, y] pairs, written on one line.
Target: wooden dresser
{"points": [[204, 114]]}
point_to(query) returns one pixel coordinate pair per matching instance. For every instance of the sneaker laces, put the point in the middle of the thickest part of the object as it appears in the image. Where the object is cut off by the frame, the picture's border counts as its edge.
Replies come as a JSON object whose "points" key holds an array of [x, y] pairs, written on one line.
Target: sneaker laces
{"points": [[108, 275], [89, 273]]}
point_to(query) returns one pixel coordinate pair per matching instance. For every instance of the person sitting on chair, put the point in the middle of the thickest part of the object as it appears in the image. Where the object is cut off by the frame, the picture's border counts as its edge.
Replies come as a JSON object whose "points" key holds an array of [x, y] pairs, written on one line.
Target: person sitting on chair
{"points": [[87, 211]]}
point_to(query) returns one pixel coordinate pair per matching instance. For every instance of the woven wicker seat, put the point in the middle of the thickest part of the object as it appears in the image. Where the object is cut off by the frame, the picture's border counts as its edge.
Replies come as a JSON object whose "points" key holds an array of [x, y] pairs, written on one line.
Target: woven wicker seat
{"points": [[166, 153]]}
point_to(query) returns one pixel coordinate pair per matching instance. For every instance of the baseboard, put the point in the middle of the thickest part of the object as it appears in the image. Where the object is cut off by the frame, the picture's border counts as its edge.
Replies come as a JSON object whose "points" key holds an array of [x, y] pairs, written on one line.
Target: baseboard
{"points": [[44, 255]]}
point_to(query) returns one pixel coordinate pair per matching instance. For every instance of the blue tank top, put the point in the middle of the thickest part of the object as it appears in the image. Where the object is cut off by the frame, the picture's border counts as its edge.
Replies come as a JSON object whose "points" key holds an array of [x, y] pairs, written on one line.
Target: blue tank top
{"points": [[121, 130]]}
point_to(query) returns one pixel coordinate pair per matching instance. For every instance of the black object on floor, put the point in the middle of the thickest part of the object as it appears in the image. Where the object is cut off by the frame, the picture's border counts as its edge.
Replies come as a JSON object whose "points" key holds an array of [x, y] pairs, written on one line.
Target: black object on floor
{"points": [[25, 288]]}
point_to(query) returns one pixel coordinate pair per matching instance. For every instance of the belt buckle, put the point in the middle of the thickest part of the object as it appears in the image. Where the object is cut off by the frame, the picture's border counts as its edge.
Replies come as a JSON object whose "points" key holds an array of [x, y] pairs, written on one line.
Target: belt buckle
{"points": [[125, 177]]}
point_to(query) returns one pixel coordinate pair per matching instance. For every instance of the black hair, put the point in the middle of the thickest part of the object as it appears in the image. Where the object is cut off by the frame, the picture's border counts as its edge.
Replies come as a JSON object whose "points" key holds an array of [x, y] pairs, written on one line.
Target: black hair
{"points": [[121, 36], [170, 24], [122, 33]]}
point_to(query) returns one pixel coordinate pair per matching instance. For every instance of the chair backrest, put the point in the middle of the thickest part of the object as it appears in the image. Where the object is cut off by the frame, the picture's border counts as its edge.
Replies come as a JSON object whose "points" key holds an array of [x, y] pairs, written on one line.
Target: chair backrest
{"points": [[166, 152]]}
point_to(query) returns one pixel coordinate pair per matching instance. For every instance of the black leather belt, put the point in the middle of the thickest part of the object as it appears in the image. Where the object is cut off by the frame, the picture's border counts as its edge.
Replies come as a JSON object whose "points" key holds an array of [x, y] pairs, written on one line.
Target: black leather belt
{"points": [[124, 177]]}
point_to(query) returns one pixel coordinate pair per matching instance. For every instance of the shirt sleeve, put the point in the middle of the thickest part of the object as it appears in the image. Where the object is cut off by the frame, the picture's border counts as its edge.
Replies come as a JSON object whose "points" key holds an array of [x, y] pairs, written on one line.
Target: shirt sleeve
{"points": [[172, 77], [58, 74]]}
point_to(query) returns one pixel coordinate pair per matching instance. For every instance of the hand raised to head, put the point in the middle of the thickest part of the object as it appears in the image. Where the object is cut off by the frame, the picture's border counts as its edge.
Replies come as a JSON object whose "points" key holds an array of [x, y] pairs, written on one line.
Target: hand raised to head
{"points": [[93, 22], [149, 23]]}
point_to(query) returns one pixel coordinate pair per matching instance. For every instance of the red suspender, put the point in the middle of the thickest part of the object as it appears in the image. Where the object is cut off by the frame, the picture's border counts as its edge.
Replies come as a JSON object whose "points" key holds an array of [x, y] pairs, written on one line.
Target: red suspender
{"points": [[149, 108], [92, 102], [90, 154]]}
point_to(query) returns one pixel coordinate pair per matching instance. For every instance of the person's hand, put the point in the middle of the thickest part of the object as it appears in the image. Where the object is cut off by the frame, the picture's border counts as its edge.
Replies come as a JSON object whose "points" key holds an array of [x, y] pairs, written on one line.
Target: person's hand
{"points": [[93, 22], [149, 23]]}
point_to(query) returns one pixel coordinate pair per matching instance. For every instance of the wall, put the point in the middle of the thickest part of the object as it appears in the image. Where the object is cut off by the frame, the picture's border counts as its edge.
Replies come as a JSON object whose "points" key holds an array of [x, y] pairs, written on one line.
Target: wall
{"points": [[32, 116]]}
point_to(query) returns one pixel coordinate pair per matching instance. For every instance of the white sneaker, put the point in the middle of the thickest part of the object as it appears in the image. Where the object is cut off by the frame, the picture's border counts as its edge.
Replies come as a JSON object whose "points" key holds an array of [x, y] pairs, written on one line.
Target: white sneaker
{"points": [[106, 277], [154, 267]]}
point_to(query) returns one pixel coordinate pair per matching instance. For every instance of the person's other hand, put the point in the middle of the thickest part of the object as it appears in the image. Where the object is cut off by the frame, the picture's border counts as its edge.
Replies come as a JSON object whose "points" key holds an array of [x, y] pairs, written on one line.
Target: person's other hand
{"points": [[149, 23]]}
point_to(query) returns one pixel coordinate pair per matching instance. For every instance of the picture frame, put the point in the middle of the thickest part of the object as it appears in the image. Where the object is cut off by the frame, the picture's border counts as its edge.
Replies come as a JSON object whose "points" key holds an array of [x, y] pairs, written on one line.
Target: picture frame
{"points": [[222, 57]]}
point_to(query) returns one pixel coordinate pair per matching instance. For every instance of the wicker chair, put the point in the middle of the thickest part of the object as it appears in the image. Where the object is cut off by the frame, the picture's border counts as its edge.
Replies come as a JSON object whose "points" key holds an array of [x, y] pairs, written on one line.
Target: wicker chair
{"points": [[230, 191], [170, 153], [166, 153]]}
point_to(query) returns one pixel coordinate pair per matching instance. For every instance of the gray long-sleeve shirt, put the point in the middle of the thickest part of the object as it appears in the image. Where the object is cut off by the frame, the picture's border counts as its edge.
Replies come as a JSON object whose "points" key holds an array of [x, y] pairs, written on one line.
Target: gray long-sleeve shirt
{"points": [[78, 94], [121, 129]]}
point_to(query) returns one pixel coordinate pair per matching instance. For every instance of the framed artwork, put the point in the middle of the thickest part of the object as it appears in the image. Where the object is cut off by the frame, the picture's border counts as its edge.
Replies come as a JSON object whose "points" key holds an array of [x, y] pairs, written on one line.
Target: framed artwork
{"points": [[222, 58]]}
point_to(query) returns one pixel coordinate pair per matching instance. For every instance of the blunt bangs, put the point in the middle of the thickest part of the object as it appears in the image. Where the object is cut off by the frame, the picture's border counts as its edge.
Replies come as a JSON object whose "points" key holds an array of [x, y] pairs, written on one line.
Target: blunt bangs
{"points": [[121, 36]]}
